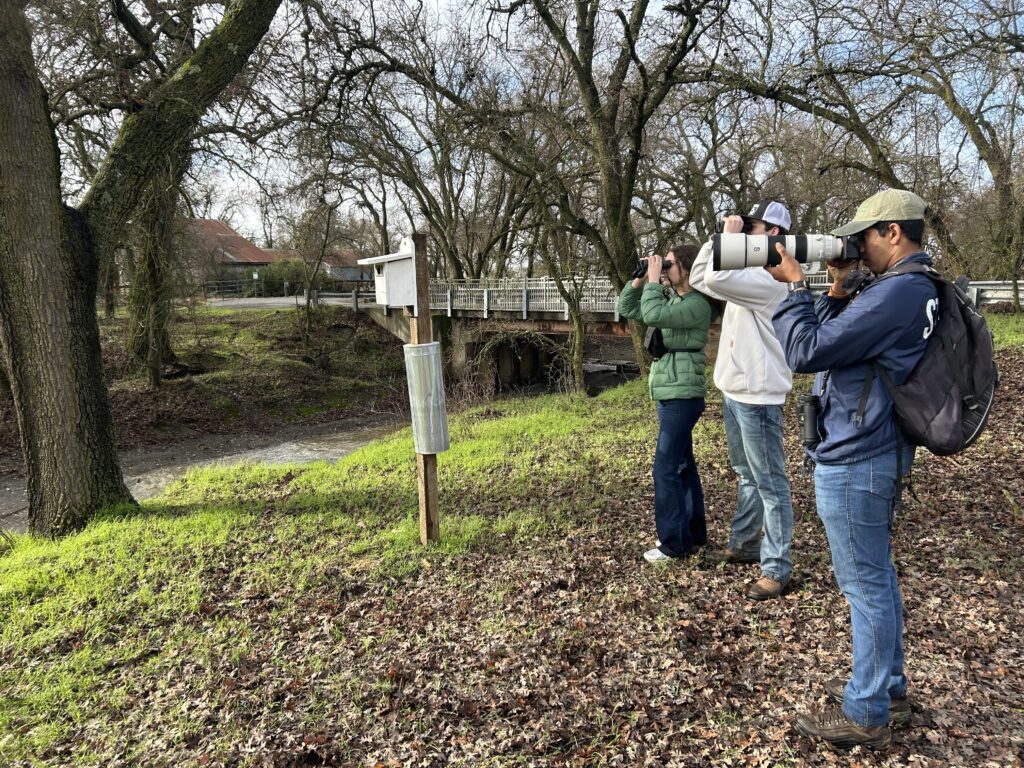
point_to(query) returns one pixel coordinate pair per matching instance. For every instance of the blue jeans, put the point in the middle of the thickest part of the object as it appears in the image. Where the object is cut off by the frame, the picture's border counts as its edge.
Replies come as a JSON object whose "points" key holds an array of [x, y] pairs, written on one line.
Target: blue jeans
{"points": [[855, 502], [758, 456], [678, 495]]}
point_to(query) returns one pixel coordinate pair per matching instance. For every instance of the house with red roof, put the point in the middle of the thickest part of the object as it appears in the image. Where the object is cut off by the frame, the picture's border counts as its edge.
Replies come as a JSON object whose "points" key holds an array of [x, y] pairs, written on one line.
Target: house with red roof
{"points": [[219, 249]]}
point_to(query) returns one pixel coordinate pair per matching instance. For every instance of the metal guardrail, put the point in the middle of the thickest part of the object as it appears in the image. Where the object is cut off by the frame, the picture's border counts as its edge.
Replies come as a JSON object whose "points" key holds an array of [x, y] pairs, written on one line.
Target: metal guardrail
{"points": [[538, 295], [981, 292], [992, 291]]}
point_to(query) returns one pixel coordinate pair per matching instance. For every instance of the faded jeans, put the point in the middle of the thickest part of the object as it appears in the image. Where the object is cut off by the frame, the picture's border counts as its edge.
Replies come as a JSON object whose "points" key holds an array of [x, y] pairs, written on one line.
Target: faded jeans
{"points": [[758, 456], [855, 502], [678, 494]]}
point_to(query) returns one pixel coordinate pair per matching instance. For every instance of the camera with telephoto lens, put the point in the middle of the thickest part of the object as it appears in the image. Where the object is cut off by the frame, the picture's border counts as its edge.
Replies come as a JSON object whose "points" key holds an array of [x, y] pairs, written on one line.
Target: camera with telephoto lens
{"points": [[736, 250], [807, 409]]}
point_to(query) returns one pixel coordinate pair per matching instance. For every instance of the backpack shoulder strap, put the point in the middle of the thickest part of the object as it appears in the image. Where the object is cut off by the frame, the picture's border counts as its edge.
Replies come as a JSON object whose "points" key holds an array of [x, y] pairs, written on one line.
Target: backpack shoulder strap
{"points": [[913, 268]]}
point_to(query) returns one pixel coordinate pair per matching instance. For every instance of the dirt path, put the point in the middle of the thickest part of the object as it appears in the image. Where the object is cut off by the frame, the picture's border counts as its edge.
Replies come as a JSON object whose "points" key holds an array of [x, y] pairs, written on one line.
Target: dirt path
{"points": [[147, 471]]}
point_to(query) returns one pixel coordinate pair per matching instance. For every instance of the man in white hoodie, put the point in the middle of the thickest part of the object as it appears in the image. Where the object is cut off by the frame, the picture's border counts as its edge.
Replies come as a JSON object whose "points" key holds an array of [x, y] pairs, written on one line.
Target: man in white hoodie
{"points": [[752, 374]]}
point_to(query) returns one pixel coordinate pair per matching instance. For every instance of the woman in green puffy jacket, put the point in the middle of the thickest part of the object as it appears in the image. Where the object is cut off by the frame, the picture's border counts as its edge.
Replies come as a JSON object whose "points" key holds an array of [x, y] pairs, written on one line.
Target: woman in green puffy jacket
{"points": [[662, 298]]}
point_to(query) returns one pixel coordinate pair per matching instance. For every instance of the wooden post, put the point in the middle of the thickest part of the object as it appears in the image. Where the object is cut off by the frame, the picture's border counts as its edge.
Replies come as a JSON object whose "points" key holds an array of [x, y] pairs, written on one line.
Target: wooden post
{"points": [[420, 332]]}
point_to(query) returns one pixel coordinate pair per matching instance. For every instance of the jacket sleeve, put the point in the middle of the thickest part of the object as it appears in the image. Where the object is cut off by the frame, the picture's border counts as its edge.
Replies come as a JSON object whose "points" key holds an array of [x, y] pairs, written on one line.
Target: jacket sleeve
{"points": [[828, 307], [629, 302], [656, 310], [750, 288], [866, 328]]}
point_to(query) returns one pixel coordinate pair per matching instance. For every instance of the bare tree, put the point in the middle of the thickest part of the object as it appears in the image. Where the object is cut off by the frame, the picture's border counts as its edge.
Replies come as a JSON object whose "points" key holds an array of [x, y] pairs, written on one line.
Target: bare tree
{"points": [[925, 92], [621, 65], [49, 335]]}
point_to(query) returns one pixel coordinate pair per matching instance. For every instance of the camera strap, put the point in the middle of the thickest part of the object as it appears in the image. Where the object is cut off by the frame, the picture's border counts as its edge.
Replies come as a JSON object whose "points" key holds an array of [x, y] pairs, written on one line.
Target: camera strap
{"points": [[865, 393], [857, 281]]}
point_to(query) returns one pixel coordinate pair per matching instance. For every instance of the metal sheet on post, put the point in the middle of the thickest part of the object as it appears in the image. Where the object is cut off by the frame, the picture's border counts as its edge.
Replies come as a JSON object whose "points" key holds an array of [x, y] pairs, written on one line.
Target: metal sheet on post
{"points": [[424, 371]]}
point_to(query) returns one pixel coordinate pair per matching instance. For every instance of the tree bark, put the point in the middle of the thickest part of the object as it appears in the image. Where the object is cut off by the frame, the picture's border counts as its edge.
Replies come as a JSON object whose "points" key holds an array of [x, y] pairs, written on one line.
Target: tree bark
{"points": [[576, 341], [48, 329], [110, 279], [49, 255], [149, 305]]}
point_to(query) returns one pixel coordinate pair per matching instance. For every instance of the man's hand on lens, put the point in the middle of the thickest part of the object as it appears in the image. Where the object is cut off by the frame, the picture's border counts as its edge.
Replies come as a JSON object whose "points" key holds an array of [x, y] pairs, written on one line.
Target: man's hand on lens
{"points": [[838, 272], [788, 271], [654, 268], [732, 224]]}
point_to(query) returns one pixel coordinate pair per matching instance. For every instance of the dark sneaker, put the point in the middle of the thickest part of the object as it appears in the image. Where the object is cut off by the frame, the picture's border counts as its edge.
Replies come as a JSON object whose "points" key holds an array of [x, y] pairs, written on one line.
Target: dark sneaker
{"points": [[831, 725], [765, 588], [899, 709], [732, 556]]}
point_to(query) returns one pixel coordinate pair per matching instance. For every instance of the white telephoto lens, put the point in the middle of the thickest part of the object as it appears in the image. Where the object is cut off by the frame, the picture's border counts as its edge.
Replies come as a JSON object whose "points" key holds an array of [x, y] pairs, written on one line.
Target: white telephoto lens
{"points": [[734, 250]]}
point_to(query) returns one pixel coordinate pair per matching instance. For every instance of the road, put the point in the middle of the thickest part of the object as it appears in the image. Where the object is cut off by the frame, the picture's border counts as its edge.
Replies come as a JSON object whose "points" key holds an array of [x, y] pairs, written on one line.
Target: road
{"points": [[274, 302]]}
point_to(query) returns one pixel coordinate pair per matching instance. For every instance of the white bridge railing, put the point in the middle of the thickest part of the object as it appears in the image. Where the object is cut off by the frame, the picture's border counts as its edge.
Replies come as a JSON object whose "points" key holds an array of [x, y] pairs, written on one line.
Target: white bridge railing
{"points": [[536, 295], [521, 296]]}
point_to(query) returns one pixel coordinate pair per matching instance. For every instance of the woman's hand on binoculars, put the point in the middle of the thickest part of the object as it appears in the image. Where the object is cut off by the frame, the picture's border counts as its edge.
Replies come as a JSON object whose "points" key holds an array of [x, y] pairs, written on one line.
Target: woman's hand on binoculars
{"points": [[654, 267], [788, 271]]}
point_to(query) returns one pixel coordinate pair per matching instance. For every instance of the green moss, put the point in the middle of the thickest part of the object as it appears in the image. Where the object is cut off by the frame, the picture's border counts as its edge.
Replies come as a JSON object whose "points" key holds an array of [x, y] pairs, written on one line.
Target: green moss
{"points": [[134, 589], [1007, 330]]}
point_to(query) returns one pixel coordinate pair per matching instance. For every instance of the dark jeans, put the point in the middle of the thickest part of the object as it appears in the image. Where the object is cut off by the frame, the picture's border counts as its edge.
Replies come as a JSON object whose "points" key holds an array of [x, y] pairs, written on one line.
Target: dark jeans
{"points": [[678, 495]]}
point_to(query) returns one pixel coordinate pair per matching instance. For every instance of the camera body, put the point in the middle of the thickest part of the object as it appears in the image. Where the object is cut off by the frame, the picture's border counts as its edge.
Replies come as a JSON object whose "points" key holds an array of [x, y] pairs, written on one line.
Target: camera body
{"points": [[808, 407], [735, 250]]}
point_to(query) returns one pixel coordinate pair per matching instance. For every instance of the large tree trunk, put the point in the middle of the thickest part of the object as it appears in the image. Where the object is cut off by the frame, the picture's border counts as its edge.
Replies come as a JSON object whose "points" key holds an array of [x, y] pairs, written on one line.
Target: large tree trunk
{"points": [[149, 305], [48, 329], [49, 335]]}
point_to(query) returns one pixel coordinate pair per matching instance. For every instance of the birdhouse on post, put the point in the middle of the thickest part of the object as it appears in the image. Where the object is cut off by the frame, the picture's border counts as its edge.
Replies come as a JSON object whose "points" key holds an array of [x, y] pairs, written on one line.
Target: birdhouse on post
{"points": [[402, 279], [394, 276]]}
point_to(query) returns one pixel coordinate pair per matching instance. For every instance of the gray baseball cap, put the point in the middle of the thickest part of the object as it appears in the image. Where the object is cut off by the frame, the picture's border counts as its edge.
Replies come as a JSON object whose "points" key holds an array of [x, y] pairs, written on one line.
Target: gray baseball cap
{"points": [[771, 212], [887, 205]]}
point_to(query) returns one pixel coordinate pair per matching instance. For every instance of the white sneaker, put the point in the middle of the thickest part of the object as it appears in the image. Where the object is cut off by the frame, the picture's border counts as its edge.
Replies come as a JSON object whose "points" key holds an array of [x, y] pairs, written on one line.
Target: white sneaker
{"points": [[655, 556]]}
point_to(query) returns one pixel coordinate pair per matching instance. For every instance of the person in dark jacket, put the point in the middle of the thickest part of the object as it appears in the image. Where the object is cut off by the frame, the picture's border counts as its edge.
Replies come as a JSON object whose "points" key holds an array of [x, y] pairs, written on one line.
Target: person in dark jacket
{"points": [[664, 299], [856, 477]]}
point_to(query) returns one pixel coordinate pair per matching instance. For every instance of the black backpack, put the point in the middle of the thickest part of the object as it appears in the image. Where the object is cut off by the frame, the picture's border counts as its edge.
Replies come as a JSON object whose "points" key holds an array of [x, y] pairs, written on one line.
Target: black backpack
{"points": [[945, 402]]}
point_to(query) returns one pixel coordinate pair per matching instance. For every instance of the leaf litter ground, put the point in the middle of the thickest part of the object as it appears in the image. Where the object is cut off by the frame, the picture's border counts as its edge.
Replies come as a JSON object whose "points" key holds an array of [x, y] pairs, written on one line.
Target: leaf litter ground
{"points": [[565, 647]]}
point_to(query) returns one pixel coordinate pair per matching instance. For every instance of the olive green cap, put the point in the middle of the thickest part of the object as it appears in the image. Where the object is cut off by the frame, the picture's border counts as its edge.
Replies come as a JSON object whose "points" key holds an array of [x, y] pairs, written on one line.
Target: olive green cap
{"points": [[887, 205]]}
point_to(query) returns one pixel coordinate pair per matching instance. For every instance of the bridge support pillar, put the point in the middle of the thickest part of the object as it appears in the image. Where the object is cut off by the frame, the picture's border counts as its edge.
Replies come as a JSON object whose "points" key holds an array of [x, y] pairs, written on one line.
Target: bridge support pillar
{"points": [[459, 349], [528, 365]]}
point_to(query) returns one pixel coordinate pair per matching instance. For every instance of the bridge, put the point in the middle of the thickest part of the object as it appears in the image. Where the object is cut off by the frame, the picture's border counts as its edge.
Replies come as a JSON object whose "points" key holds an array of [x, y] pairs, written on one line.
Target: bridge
{"points": [[462, 309], [537, 302]]}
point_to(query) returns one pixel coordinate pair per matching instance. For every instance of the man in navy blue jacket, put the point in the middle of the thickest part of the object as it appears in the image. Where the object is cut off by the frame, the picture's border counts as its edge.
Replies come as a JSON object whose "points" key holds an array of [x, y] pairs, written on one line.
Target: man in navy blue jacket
{"points": [[856, 481]]}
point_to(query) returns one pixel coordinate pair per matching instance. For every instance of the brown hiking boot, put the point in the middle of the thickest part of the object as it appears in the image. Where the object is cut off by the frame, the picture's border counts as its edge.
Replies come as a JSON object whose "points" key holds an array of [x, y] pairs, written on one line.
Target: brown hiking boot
{"points": [[765, 588], [831, 725], [732, 556], [899, 709]]}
